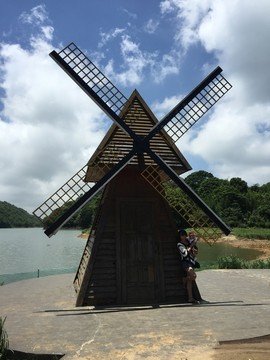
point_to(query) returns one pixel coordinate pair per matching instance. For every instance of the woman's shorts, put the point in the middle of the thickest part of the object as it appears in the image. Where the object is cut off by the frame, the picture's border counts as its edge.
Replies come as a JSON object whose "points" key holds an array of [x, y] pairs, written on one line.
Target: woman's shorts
{"points": [[186, 265]]}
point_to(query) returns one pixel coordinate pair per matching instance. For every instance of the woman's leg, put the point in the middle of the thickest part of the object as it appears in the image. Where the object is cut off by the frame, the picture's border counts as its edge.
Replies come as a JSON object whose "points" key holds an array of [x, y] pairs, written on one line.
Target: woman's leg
{"points": [[191, 276]]}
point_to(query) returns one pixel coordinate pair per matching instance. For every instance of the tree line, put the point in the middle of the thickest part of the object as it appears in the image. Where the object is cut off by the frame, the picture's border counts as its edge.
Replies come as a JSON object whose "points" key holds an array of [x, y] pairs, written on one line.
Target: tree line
{"points": [[12, 216], [238, 204]]}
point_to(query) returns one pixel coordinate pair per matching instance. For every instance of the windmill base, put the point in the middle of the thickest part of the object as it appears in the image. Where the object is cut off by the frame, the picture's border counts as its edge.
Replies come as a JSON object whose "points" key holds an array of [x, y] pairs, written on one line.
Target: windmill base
{"points": [[133, 256]]}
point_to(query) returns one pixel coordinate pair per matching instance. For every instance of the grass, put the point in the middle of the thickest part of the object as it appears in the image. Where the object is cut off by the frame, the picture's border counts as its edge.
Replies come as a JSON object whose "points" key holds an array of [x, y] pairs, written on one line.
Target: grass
{"points": [[4, 343], [234, 262], [208, 266], [252, 233]]}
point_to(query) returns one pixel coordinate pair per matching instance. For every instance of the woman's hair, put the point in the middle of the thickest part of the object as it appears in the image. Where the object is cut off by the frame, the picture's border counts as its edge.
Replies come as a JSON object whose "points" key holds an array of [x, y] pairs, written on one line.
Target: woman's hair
{"points": [[182, 232]]}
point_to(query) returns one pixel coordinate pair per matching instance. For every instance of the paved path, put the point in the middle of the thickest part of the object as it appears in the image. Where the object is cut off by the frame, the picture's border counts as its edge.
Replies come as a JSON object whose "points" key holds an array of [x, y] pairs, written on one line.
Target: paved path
{"points": [[41, 318]]}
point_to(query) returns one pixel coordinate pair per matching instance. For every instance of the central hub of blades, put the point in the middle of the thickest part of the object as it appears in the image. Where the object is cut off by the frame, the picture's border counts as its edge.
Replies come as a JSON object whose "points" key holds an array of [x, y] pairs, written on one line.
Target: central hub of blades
{"points": [[140, 145]]}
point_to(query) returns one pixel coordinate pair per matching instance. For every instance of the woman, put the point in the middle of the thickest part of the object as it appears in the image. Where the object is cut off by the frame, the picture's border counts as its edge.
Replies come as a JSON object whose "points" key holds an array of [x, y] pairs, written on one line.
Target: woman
{"points": [[188, 263]]}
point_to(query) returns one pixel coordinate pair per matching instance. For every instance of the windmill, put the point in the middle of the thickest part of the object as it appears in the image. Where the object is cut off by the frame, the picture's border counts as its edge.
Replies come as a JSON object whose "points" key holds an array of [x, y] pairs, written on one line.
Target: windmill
{"points": [[130, 255]]}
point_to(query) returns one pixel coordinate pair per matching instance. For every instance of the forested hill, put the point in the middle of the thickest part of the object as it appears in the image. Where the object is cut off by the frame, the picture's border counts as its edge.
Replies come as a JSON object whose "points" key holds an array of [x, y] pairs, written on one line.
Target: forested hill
{"points": [[238, 204], [12, 216]]}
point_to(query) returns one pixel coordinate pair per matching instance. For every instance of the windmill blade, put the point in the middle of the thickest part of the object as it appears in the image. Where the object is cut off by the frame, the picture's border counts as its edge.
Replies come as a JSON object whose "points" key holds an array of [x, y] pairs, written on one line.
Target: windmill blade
{"points": [[99, 88], [188, 204], [176, 123], [186, 208], [93, 82], [76, 193], [66, 194], [188, 111]]}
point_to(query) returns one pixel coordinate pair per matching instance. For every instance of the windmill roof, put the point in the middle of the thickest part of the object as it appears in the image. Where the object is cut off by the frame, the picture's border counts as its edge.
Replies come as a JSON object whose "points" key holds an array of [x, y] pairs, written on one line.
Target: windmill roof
{"points": [[116, 143]]}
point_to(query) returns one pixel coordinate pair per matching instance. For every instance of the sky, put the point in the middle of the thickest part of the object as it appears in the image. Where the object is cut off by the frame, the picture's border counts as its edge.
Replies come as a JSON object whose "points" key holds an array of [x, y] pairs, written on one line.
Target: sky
{"points": [[49, 128]]}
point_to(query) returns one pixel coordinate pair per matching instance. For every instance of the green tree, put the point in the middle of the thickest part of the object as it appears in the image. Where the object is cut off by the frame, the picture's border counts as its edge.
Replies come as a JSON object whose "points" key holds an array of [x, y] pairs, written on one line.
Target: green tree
{"points": [[239, 185], [82, 219], [233, 207], [88, 212], [195, 179], [209, 191], [265, 188], [12, 216]]}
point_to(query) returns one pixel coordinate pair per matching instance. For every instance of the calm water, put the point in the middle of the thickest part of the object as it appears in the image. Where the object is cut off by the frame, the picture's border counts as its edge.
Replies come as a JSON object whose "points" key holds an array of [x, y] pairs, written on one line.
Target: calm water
{"points": [[209, 254], [25, 251]]}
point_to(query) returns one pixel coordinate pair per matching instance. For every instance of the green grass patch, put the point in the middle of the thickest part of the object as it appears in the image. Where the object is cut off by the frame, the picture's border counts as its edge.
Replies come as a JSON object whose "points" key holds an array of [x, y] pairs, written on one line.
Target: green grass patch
{"points": [[252, 233], [86, 231], [208, 266], [234, 262]]}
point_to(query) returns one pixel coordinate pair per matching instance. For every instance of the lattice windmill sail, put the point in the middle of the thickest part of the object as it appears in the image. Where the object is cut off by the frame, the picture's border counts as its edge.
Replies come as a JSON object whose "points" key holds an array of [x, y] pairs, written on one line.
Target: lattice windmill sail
{"points": [[134, 163]]}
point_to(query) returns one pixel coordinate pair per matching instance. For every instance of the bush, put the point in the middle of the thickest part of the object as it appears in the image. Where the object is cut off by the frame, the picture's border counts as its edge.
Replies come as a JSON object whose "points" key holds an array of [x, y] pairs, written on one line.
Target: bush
{"points": [[234, 262], [259, 264], [231, 262], [252, 233]]}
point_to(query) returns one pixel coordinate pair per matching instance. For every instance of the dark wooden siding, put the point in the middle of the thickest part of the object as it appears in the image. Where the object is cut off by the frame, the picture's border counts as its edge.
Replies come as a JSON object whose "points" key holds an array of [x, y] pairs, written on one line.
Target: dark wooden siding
{"points": [[102, 285], [107, 278], [101, 288], [172, 272]]}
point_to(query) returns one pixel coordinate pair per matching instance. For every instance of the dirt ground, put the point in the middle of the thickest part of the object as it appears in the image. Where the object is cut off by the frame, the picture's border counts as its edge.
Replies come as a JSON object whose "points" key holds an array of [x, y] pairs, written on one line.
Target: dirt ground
{"points": [[248, 349], [253, 349]]}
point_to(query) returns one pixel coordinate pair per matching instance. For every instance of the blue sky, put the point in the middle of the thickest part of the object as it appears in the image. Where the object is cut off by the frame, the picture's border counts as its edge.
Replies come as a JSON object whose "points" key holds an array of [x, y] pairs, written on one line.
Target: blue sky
{"points": [[49, 128]]}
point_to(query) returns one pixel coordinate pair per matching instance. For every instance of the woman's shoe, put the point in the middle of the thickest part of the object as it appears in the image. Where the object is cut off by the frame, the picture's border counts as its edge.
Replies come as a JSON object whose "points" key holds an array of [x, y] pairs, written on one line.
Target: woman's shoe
{"points": [[194, 302]]}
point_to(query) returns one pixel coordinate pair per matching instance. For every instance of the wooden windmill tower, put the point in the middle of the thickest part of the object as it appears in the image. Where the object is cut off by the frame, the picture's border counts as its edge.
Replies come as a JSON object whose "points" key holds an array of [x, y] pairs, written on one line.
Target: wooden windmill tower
{"points": [[130, 255]]}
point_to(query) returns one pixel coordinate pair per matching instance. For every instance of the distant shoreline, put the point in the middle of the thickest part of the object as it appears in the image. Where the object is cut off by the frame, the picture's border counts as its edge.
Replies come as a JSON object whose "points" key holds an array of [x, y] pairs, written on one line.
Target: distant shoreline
{"points": [[243, 243]]}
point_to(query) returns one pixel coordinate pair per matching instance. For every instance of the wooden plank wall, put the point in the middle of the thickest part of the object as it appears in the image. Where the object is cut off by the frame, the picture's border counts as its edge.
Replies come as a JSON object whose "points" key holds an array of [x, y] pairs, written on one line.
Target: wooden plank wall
{"points": [[102, 289], [174, 291], [173, 276], [103, 286], [84, 263]]}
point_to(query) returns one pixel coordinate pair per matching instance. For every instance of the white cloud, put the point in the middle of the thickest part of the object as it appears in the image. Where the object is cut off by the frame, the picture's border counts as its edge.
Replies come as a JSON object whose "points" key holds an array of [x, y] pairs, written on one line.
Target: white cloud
{"points": [[37, 15], [236, 139], [130, 14], [135, 62], [166, 6], [161, 109], [108, 36], [232, 143], [48, 32], [169, 64], [189, 14], [48, 126], [151, 26]]}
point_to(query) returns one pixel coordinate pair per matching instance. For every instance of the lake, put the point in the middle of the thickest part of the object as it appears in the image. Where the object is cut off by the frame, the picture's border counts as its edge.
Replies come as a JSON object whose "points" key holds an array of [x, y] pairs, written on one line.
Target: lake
{"points": [[27, 253]]}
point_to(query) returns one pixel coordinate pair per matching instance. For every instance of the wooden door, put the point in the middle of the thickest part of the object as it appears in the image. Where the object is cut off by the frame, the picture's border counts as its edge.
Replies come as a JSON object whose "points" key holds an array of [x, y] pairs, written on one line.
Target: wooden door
{"points": [[139, 278]]}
